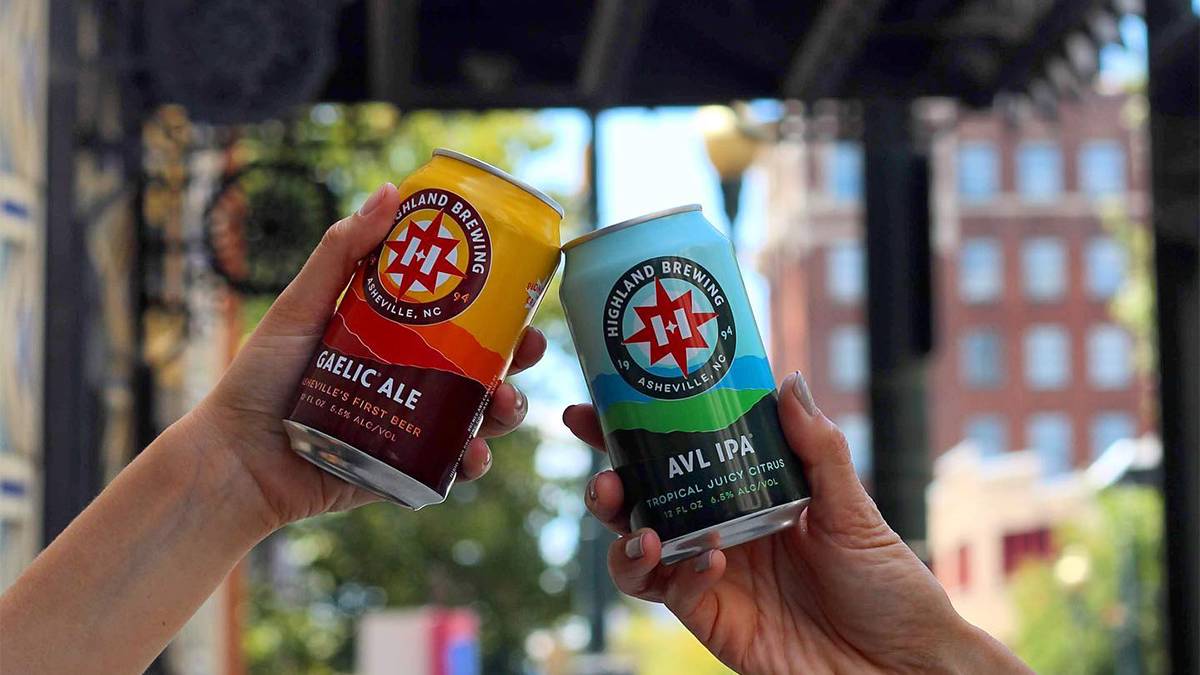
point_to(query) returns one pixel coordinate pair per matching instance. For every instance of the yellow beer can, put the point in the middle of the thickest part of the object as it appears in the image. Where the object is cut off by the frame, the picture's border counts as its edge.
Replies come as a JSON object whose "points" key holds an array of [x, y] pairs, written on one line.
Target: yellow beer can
{"points": [[426, 329]]}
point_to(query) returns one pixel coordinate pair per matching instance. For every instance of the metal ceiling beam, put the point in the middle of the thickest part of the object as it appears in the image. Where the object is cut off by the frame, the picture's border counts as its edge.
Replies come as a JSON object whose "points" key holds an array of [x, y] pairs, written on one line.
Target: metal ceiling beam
{"points": [[611, 47], [391, 47], [831, 45], [1064, 19], [1005, 27]]}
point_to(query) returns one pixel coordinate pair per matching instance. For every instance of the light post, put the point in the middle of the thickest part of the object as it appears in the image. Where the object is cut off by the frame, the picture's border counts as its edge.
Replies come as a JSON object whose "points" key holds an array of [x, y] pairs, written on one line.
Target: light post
{"points": [[731, 142]]}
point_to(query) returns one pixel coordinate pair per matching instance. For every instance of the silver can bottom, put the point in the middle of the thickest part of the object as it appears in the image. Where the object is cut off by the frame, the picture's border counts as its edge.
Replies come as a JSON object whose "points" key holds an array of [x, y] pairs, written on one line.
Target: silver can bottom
{"points": [[358, 468], [733, 532]]}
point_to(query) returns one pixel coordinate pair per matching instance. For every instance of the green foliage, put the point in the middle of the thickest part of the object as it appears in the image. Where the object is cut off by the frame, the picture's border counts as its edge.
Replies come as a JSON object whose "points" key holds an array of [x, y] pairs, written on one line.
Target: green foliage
{"points": [[659, 646], [354, 149], [1107, 620], [1133, 305], [479, 549]]}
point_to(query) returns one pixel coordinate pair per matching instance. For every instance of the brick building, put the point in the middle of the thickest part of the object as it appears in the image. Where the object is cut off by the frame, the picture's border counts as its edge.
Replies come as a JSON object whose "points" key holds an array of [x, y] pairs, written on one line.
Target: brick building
{"points": [[1028, 355]]}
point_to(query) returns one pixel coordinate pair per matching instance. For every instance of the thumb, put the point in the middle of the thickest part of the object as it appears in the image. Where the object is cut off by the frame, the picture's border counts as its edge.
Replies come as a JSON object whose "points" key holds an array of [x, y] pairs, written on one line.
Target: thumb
{"points": [[306, 304], [840, 505]]}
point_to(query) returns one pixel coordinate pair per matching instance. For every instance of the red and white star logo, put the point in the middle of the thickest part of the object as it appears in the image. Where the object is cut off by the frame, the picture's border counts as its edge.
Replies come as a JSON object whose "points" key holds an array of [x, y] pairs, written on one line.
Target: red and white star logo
{"points": [[421, 255], [671, 326]]}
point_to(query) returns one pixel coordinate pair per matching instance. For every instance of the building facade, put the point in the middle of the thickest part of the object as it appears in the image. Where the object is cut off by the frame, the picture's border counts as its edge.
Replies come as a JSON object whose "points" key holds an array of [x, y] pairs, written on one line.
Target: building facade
{"points": [[1028, 220], [990, 515]]}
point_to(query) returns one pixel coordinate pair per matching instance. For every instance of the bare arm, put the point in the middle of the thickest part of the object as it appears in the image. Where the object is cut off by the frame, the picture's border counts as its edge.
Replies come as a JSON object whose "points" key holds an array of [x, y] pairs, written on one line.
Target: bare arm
{"points": [[112, 589], [110, 592]]}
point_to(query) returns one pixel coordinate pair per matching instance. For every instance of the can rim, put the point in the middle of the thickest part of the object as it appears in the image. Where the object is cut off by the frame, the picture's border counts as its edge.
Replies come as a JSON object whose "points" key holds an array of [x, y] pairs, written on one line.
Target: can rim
{"points": [[501, 174], [609, 229]]}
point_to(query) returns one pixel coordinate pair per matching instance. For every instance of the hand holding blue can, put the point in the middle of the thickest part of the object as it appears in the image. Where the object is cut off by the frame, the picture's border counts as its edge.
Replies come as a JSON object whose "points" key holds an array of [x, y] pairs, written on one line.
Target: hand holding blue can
{"points": [[838, 591]]}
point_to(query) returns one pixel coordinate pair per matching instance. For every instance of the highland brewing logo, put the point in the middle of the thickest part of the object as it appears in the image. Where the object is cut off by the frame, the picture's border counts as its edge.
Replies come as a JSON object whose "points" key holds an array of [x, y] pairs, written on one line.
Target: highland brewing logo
{"points": [[434, 262], [669, 328]]}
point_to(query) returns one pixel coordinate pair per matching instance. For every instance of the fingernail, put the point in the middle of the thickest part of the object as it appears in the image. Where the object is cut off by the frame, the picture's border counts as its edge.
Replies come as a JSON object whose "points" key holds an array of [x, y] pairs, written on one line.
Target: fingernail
{"points": [[374, 200], [522, 402], [634, 548], [591, 490], [705, 561], [801, 391]]}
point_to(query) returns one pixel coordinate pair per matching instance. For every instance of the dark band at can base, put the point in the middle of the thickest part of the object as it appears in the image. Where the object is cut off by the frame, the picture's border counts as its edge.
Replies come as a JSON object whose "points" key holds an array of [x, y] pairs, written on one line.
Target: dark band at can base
{"points": [[358, 468], [423, 444], [733, 532]]}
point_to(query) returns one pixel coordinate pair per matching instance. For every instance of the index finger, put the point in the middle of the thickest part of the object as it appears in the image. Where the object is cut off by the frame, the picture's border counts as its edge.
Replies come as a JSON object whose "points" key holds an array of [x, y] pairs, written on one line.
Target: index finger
{"points": [[581, 419], [529, 350]]}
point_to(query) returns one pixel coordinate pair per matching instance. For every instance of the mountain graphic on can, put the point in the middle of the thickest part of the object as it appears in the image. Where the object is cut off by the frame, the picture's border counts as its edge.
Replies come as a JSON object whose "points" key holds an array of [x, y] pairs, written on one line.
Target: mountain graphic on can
{"points": [[426, 329], [680, 380]]}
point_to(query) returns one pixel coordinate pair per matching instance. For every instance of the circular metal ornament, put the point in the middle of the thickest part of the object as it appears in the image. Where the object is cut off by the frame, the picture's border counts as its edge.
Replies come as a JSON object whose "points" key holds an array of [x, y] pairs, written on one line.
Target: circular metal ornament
{"points": [[263, 223]]}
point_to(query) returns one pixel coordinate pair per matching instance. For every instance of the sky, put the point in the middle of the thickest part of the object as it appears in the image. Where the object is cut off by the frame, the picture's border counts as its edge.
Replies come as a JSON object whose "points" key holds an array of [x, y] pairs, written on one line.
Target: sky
{"points": [[652, 159]]}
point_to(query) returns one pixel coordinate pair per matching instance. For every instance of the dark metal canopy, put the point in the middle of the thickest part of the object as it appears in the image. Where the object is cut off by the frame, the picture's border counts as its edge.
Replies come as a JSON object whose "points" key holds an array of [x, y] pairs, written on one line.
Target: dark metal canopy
{"points": [[477, 54], [231, 61]]}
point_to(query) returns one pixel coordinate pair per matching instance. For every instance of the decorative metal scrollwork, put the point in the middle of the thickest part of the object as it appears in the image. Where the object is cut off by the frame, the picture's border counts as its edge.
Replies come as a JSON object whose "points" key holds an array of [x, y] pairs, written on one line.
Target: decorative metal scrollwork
{"points": [[263, 222]]}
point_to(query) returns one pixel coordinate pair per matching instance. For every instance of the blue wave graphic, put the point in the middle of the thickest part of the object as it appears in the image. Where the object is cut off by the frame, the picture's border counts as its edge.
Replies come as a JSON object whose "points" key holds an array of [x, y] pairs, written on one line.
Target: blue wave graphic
{"points": [[747, 372]]}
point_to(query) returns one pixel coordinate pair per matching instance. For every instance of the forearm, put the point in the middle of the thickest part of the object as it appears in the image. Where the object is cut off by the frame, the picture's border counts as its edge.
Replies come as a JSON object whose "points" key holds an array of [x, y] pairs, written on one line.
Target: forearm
{"points": [[112, 590]]}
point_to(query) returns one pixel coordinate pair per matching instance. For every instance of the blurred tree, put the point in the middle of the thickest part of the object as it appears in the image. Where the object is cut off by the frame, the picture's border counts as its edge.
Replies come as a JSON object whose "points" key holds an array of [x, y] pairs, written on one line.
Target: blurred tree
{"points": [[1097, 608], [1133, 305], [664, 646], [479, 549]]}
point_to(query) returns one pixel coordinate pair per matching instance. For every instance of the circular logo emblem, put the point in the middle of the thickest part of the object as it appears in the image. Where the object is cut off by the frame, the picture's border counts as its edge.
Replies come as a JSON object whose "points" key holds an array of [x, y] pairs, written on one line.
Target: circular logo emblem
{"points": [[669, 328], [434, 262]]}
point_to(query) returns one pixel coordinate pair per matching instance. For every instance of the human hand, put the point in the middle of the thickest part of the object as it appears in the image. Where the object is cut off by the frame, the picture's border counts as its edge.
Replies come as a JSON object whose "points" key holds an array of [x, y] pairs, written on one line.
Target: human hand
{"points": [[243, 415], [838, 592]]}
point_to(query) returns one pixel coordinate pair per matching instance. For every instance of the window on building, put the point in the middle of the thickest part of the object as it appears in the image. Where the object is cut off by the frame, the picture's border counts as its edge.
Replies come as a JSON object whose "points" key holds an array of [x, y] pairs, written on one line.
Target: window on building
{"points": [[1110, 357], [1047, 357], [1039, 171], [1044, 268], [1049, 435], [1020, 547], [978, 172], [981, 358], [1102, 168], [844, 272], [848, 357], [844, 170], [857, 429], [1109, 427], [980, 270], [989, 433], [1106, 262]]}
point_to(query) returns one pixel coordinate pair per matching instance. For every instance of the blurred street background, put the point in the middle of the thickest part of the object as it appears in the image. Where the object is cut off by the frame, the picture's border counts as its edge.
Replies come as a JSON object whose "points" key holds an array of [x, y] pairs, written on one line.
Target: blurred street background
{"points": [[972, 225]]}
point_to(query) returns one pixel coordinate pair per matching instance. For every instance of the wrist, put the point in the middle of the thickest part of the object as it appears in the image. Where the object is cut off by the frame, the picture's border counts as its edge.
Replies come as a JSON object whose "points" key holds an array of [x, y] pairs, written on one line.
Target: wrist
{"points": [[970, 649], [214, 479]]}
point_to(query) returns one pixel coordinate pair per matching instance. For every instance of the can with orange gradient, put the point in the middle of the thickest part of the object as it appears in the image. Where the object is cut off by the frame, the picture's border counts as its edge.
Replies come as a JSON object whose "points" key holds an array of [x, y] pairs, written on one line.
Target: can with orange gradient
{"points": [[426, 329]]}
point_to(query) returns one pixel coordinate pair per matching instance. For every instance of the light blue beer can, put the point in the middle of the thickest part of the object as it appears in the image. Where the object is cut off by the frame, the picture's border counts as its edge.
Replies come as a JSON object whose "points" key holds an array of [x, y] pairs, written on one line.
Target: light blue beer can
{"points": [[678, 374]]}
